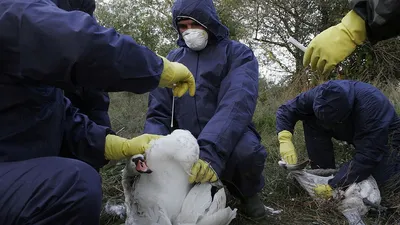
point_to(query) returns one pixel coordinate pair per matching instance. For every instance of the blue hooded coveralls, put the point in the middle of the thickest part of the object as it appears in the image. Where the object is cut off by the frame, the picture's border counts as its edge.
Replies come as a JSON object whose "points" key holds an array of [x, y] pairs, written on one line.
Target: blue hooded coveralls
{"points": [[92, 102], [350, 111], [43, 49], [220, 114]]}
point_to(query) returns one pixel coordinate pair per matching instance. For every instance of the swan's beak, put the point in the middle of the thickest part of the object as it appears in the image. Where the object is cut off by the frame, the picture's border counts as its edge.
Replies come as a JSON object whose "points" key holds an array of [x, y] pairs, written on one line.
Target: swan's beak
{"points": [[141, 166]]}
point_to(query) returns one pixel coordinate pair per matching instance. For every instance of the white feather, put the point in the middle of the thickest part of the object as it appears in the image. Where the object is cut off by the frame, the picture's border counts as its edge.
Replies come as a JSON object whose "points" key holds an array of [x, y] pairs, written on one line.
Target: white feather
{"points": [[221, 217], [197, 201], [218, 203]]}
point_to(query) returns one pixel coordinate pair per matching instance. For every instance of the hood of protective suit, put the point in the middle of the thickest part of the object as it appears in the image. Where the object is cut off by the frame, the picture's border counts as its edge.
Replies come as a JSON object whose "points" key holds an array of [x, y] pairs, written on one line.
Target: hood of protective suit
{"points": [[202, 11], [87, 6], [333, 101]]}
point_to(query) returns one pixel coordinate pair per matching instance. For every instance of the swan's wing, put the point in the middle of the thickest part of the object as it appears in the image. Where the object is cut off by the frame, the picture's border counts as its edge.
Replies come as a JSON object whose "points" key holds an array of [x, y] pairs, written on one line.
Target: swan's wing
{"points": [[355, 194], [370, 190], [195, 204], [353, 203], [222, 217], [154, 215], [218, 203], [217, 213]]}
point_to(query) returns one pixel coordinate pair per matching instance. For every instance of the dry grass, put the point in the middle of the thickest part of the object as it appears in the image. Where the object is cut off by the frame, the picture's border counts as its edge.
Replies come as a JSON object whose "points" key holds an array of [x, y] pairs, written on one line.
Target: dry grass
{"points": [[128, 112]]}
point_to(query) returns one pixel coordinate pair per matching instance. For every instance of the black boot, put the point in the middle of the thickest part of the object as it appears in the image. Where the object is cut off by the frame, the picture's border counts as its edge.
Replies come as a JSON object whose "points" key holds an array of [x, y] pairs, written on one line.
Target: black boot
{"points": [[253, 207]]}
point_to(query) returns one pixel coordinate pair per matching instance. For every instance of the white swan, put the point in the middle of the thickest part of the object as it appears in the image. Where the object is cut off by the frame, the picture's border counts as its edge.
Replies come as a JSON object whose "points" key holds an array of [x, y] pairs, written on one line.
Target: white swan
{"points": [[163, 196], [352, 200]]}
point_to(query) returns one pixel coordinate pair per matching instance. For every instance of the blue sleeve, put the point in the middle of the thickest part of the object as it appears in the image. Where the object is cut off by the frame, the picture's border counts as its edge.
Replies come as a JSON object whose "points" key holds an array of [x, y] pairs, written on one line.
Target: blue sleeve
{"points": [[91, 102], [381, 17], [83, 139], [237, 99], [373, 118], [299, 108], [63, 49]]}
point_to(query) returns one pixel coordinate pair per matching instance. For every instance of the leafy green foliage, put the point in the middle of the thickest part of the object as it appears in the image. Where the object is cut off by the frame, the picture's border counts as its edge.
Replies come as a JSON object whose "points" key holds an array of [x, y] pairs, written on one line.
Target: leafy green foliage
{"points": [[149, 23]]}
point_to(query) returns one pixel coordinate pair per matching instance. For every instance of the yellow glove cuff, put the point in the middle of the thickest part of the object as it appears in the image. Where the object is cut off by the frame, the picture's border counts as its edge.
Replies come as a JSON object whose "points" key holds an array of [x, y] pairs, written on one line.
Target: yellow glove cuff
{"points": [[355, 27], [284, 136], [166, 74], [115, 147]]}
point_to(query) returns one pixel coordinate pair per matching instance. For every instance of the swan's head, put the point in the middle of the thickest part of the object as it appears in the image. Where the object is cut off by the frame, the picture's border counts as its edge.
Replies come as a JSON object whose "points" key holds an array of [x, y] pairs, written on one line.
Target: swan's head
{"points": [[139, 162]]}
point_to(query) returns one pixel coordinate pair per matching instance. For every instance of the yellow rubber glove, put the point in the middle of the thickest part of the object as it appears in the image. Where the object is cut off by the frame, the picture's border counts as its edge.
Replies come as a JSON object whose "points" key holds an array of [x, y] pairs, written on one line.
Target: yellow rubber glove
{"points": [[286, 147], [202, 172], [323, 191], [118, 147], [178, 77], [334, 44]]}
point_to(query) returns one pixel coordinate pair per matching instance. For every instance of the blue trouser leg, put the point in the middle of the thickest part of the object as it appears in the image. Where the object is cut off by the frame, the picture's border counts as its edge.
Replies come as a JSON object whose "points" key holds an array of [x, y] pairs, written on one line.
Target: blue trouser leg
{"points": [[49, 190], [389, 167], [243, 174], [319, 146], [386, 170]]}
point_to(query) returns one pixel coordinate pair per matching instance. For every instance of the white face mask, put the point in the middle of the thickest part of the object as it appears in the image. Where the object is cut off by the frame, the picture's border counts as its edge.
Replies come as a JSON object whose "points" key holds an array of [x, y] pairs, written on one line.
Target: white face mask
{"points": [[195, 39]]}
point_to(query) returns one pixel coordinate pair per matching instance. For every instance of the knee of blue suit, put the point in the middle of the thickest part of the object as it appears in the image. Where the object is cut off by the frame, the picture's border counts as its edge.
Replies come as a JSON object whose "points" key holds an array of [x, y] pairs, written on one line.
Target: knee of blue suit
{"points": [[50, 190], [249, 154], [245, 167], [83, 183]]}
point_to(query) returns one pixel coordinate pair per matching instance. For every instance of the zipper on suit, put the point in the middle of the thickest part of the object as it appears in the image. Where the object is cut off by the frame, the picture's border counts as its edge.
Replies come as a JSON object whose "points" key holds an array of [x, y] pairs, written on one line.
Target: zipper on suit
{"points": [[195, 100]]}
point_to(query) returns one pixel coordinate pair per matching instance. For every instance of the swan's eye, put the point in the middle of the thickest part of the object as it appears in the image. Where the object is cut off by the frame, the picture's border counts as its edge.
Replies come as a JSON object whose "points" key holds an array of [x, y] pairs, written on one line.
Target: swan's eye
{"points": [[137, 159]]}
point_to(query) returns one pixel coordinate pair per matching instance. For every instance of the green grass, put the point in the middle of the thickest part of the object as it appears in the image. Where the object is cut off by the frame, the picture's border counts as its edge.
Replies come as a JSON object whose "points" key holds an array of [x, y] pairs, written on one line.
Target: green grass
{"points": [[128, 113]]}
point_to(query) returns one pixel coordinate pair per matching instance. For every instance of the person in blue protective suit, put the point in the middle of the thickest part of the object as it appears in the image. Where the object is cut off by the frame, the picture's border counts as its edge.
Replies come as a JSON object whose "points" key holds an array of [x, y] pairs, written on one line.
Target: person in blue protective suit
{"points": [[220, 115], [373, 20], [90, 101], [47, 47], [350, 111]]}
